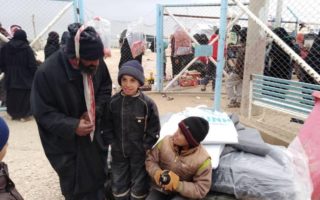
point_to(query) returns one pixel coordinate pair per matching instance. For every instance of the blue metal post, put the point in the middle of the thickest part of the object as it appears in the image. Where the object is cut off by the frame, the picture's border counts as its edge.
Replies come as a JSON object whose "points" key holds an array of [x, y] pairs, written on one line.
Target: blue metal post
{"points": [[220, 61], [81, 11], [76, 11], [160, 50]]}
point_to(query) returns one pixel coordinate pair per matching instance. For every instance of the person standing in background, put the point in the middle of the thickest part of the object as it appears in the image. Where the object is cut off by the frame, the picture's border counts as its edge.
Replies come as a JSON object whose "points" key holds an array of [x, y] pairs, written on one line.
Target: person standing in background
{"points": [[18, 62], [5, 33], [52, 44]]}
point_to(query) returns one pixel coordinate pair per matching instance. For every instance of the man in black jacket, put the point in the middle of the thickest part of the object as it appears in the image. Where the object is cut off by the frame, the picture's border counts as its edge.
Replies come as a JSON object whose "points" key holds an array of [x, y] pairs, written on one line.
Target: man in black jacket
{"points": [[59, 107]]}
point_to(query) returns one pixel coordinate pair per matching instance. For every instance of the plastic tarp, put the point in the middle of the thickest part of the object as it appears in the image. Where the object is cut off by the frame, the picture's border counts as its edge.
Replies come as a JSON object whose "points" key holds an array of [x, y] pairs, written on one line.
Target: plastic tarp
{"points": [[136, 38], [249, 176], [182, 42], [249, 139], [307, 144], [221, 127]]}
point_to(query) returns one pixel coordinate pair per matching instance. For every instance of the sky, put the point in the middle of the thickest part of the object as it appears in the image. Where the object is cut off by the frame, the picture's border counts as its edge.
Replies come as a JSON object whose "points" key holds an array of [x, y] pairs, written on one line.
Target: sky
{"points": [[129, 10]]}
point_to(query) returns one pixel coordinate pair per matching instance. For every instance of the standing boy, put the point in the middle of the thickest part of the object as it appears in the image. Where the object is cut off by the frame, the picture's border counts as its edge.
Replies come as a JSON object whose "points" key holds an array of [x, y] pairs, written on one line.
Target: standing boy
{"points": [[179, 164], [134, 123]]}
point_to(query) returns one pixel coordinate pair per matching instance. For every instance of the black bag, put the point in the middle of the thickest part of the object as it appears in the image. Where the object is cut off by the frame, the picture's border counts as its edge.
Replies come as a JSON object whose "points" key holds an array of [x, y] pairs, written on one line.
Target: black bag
{"points": [[7, 188]]}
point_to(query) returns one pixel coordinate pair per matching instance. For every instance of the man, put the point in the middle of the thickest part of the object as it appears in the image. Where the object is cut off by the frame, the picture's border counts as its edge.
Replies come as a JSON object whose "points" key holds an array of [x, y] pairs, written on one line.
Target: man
{"points": [[59, 107]]}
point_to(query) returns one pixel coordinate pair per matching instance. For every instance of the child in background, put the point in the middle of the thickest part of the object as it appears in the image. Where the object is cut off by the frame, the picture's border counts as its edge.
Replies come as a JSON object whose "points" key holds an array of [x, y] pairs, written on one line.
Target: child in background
{"points": [[133, 120], [7, 187], [179, 164]]}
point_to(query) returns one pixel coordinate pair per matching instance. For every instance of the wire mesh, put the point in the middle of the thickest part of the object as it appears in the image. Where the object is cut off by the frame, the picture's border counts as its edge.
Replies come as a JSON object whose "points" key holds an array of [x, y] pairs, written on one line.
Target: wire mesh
{"points": [[201, 23], [293, 23], [34, 15]]}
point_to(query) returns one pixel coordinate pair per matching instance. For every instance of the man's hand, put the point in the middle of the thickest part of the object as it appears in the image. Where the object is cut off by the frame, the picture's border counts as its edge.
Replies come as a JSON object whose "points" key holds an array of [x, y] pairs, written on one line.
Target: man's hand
{"points": [[85, 116], [84, 128]]}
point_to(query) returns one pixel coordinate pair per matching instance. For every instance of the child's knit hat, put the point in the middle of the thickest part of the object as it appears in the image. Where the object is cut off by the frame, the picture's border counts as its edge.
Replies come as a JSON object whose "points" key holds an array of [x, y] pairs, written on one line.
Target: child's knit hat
{"points": [[4, 133], [195, 129], [132, 68]]}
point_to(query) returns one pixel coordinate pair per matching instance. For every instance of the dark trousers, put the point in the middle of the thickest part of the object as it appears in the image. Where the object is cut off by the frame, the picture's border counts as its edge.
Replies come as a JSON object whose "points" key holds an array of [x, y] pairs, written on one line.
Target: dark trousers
{"points": [[97, 195], [179, 62], [210, 75], [130, 179], [157, 195], [3, 93]]}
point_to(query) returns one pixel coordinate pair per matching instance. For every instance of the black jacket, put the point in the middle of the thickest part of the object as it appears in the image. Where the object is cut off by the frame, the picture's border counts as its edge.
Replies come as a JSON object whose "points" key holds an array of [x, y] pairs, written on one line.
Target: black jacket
{"points": [[57, 102], [133, 122], [49, 49], [18, 62], [8, 190]]}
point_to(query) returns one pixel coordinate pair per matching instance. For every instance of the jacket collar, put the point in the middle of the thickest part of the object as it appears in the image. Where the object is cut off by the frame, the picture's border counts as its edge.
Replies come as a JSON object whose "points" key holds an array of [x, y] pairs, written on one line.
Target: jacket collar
{"points": [[182, 152], [136, 95]]}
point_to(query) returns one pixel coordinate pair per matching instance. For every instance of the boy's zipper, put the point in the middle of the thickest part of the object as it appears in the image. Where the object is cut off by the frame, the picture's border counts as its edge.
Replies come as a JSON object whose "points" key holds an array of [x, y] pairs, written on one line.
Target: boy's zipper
{"points": [[122, 142]]}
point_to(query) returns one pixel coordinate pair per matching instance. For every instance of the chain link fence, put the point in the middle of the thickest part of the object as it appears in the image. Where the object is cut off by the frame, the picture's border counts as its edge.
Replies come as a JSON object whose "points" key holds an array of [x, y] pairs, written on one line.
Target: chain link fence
{"points": [[191, 32], [190, 43], [282, 39], [34, 16], [282, 43]]}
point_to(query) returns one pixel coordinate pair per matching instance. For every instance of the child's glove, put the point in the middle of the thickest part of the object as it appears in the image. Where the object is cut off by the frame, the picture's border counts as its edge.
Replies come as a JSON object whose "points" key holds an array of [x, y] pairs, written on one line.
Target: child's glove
{"points": [[174, 182], [156, 176]]}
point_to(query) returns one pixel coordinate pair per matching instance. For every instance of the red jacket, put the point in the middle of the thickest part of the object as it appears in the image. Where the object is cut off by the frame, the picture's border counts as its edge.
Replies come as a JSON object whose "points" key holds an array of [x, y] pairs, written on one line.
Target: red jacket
{"points": [[214, 46]]}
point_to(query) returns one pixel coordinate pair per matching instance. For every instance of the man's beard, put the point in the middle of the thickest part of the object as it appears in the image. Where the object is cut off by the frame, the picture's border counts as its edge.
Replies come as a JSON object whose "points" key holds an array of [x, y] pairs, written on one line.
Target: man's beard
{"points": [[90, 69]]}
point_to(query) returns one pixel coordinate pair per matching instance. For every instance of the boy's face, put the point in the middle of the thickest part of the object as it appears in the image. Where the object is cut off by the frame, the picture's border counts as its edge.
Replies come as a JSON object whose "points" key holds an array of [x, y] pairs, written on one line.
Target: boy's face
{"points": [[129, 85], [179, 139]]}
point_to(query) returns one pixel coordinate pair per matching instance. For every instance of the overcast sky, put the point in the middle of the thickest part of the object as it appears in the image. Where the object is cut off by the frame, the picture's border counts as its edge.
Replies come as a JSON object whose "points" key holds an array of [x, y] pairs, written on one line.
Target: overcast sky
{"points": [[130, 10], [35, 15]]}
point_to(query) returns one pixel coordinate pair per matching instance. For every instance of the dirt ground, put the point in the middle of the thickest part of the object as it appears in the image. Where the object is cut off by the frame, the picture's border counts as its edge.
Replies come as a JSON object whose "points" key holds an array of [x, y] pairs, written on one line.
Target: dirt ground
{"points": [[28, 166]]}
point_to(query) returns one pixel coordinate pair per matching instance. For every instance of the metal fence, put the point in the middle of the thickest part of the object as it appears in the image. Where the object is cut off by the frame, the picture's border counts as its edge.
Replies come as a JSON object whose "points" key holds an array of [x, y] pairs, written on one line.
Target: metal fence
{"points": [[38, 18], [281, 43], [277, 38], [190, 61]]}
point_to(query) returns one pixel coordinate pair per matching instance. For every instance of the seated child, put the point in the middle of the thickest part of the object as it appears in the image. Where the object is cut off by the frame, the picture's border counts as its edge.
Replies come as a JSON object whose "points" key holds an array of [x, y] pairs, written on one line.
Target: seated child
{"points": [[179, 165], [133, 122], [7, 187]]}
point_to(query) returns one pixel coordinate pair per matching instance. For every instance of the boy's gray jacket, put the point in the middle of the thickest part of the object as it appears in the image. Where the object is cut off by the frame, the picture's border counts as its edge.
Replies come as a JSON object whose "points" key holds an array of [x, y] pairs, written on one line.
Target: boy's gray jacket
{"points": [[133, 122]]}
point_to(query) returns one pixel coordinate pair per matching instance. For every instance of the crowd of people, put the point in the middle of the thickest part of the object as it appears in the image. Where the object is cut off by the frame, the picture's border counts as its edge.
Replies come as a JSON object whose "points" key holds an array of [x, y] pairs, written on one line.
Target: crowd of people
{"points": [[70, 98]]}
